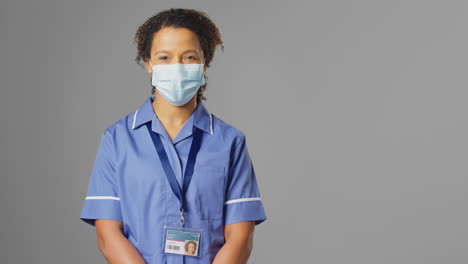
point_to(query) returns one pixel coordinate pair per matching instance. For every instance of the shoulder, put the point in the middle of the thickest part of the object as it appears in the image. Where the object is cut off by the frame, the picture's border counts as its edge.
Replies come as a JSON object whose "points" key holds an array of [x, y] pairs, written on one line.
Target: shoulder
{"points": [[231, 134], [121, 127]]}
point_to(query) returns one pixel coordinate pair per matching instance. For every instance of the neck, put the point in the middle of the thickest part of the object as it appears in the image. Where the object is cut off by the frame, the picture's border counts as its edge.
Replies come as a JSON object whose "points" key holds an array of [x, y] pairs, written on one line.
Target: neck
{"points": [[173, 115]]}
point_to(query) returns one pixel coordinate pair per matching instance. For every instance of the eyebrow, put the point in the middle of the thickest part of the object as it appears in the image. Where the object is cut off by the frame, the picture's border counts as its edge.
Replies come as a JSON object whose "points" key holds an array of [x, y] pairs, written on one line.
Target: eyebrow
{"points": [[166, 51]]}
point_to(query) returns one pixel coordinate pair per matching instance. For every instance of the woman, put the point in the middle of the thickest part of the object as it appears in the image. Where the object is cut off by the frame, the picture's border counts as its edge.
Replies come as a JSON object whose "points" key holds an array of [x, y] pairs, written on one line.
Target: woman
{"points": [[138, 196], [190, 247]]}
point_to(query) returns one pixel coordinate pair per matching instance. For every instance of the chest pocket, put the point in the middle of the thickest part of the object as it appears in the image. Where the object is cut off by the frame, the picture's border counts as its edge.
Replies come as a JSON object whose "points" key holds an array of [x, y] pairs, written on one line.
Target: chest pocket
{"points": [[210, 191]]}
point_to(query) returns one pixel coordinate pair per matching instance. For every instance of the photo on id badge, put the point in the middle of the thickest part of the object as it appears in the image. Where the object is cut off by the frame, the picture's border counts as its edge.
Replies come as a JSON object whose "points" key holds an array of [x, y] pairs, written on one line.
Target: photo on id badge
{"points": [[182, 241]]}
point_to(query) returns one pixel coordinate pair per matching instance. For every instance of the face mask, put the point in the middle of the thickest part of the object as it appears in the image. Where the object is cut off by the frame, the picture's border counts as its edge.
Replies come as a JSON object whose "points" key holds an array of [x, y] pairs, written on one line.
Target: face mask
{"points": [[178, 83]]}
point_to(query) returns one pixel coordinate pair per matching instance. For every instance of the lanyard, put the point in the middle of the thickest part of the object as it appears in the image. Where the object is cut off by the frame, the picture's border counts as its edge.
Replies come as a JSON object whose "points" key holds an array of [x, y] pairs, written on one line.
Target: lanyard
{"points": [[196, 142]]}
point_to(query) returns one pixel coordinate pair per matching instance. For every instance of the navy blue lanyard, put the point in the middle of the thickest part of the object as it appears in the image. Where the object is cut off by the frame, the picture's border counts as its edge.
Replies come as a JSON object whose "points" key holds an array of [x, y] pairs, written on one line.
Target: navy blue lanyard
{"points": [[194, 148]]}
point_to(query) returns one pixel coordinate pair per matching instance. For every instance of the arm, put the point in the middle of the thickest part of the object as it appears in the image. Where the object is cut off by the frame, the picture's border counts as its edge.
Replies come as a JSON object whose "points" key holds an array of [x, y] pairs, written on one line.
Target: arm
{"points": [[114, 245], [243, 208], [238, 243], [102, 208]]}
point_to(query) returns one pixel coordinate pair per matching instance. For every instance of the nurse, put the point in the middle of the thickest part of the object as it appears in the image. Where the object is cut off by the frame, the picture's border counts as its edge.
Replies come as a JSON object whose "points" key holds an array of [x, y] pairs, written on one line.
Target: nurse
{"points": [[172, 182]]}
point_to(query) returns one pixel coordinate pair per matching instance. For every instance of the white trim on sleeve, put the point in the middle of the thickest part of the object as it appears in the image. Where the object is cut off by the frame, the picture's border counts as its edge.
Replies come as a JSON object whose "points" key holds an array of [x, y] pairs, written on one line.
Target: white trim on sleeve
{"points": [[243, 200], [102, 198]]}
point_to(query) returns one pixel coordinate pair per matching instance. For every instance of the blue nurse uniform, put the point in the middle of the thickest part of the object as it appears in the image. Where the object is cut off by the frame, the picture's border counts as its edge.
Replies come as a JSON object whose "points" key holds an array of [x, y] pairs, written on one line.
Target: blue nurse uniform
{"points": [[128, 183]]}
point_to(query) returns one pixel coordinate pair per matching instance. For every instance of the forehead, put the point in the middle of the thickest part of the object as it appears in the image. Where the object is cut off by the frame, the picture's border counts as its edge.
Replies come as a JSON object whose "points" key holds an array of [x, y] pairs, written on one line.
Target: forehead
{"points": [[175, 39]]}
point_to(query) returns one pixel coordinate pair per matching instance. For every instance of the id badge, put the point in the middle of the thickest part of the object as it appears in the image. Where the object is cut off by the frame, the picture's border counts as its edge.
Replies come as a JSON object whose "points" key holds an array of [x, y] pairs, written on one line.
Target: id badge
{"points": [[182, 240]]}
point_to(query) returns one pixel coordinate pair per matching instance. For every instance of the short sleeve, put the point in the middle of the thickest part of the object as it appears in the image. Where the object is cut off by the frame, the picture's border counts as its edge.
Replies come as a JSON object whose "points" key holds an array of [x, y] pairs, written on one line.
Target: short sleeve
{"points": [[243, 202], [102, 200]]}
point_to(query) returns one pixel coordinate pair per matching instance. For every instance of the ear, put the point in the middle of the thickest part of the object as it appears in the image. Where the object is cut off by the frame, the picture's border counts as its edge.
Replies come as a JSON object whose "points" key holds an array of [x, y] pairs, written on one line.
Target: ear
{"points": [[148, 66]]}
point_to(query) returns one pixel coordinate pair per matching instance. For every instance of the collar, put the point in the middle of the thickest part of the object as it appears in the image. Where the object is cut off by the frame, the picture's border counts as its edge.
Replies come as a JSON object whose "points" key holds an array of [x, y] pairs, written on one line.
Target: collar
{"points": [[145, 113]]}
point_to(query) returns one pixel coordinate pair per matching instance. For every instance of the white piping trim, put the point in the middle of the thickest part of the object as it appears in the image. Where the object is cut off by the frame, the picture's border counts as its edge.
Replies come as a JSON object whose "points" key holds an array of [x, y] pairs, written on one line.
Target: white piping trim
{"points": [[211, 124], [243, 200], [102, 198], [134, 118]]}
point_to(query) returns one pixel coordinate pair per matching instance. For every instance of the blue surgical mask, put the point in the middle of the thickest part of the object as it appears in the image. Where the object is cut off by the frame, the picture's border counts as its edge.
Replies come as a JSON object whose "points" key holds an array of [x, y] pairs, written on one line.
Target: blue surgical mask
{"points": [[178, 83]]}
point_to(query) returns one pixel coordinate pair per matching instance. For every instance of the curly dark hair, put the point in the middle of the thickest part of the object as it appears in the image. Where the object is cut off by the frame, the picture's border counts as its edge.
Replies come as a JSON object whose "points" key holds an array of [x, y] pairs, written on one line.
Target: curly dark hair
{"points": [[196, 21]]}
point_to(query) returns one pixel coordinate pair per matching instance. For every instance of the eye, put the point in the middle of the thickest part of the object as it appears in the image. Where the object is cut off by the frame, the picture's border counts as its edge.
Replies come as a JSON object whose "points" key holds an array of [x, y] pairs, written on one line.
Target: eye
{"points": [[191, 57], [162, 57]]}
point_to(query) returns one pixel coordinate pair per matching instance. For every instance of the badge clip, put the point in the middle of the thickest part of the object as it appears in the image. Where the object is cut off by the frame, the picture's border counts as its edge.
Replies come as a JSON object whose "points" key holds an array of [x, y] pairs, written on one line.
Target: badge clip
{"points": [[182, 218]]}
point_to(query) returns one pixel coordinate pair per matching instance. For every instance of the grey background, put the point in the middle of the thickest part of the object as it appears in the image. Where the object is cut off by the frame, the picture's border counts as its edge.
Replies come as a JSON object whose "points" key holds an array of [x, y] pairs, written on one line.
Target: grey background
{"points": [[354, 111]]}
